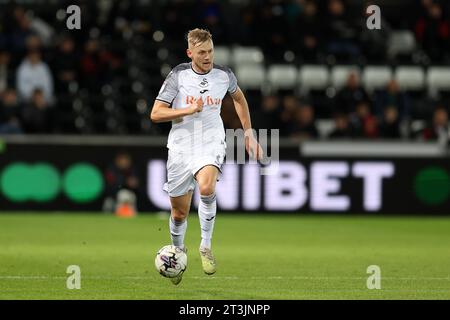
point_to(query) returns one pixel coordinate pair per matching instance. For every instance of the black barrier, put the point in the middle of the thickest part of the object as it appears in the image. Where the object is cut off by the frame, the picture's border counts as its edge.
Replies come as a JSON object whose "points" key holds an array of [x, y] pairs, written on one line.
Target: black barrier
{"points": [[72, 178]]}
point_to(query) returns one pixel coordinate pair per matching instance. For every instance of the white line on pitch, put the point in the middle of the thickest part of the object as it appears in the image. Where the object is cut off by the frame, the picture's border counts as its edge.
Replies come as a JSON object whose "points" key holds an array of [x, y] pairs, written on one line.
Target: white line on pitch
{"points": [[37, 277]]}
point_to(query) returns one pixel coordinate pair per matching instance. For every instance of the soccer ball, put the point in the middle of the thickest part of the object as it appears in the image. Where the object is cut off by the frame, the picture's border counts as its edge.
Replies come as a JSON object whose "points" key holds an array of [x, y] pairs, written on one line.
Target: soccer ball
{"points": [[170, 261]]}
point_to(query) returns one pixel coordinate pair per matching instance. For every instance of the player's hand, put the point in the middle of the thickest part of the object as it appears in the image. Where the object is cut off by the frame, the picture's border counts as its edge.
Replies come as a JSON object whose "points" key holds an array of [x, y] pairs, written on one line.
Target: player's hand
{"points": [[197, 106], [253, 148]]}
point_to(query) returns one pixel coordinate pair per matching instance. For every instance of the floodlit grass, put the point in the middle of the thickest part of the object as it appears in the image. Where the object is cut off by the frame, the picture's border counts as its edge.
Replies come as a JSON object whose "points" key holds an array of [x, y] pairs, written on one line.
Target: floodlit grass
{"points": [[259, 257]]}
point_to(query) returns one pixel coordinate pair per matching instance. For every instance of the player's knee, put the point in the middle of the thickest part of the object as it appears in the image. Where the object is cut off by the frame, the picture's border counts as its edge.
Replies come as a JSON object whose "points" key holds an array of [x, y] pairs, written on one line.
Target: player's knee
{"points": [[179, 214], [206, 189]]}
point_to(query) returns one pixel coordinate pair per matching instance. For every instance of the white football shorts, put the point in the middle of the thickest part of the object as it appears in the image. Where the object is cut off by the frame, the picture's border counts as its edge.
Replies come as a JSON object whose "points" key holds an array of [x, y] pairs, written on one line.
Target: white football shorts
{"points": [[182, 167]]}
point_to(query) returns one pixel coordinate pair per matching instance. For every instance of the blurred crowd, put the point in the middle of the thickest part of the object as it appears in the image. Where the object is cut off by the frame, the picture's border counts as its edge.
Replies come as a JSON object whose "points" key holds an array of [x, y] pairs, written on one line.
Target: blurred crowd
{"points": [[355, 115], [104, 77]]}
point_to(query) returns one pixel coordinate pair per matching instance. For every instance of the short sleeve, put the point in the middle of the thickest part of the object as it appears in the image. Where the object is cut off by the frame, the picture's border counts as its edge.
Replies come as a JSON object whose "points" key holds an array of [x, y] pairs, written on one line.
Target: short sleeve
{"points": [[232, 87], [169, 88]]}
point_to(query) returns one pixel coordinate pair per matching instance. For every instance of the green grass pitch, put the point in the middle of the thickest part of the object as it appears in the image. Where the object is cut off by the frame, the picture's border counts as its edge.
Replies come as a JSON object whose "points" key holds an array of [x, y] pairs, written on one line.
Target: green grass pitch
{"points": [[259, 257]]}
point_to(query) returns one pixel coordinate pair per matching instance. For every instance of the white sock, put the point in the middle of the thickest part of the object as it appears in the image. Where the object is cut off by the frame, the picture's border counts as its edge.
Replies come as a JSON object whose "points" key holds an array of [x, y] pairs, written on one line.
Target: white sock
{"points": [[177, 232], [207, 215]]}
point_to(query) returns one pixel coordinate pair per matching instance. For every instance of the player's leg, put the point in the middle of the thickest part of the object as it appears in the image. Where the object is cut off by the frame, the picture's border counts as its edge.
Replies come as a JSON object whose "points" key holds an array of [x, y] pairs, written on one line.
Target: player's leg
{"points": [[178, 224], [206, 178], [180, 185], [178, 218]]}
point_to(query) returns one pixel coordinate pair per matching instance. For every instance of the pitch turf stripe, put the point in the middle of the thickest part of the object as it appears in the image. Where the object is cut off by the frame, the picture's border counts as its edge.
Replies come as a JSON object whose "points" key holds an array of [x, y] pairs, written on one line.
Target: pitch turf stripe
{"points": [[37, 277], [304, 291]]}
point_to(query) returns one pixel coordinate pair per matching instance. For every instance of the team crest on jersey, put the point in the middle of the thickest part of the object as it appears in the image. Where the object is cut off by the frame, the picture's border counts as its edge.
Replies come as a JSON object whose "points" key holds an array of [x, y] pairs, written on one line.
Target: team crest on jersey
{"points": [[204, 83]]}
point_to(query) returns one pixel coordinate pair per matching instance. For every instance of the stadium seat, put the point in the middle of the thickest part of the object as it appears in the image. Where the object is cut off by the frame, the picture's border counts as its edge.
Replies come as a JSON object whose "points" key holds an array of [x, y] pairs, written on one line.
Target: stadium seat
{"points": [[339, 75], [247, 55], [282, 76], [313, 77], [438, 79], [250, 76], [410, 78], [313, 83], [222, 55], [376, 77], [401, 42], [325, 127]]}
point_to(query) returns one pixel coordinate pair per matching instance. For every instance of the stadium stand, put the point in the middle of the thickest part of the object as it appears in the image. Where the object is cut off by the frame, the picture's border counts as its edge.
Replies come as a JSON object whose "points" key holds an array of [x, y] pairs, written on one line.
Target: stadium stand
{"points": [[106, 75]]}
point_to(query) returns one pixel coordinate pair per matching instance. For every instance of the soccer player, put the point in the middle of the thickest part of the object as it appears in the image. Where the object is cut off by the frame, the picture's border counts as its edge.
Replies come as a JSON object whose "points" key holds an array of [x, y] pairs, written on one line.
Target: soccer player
{"points": [[191, 97]]}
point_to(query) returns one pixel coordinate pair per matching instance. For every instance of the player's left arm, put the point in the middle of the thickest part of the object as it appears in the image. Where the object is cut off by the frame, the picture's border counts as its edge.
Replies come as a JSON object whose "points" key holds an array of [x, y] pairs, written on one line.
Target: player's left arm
{"points": [[242, 110]]}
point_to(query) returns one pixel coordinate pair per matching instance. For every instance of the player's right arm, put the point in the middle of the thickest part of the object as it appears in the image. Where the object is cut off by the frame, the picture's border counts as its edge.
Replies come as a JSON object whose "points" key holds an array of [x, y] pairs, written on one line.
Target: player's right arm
{"points": [[162, 112]]}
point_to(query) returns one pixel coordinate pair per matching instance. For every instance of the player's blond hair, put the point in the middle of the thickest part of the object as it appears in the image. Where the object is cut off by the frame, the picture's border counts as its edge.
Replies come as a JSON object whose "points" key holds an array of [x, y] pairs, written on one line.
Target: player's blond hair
{"points": [[198, 36]]}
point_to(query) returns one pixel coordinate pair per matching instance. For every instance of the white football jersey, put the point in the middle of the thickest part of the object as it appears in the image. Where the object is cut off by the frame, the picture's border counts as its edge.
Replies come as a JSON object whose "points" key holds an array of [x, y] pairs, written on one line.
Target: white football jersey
{"points": [[180, 88]]}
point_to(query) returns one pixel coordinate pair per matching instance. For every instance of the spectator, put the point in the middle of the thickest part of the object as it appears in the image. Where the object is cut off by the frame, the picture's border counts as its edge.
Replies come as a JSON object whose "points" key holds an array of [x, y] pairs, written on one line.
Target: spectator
{"points": [[433, 32], [210, 14], [92, 68], [272, 30], [5, 71], [390, 126], [176, 18], [342, 128], [97, 64], [351, 95], [36, 114], [373, 42], [363, 123], [308, 29], [26, 23], [42, 29], [33, 43], [269, 115], [20, 28], [121, 176], [439, 127], [392, 96], [421, 6], [288, 114], [34, 74], [248, 25], [65, 64], [305, 126], [341, 33], [293, 9], [10, 110]]}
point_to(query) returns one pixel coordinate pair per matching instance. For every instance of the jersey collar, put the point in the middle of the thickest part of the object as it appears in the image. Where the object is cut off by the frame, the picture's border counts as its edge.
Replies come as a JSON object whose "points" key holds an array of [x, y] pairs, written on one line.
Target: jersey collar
{"points": [[201, 74]]}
